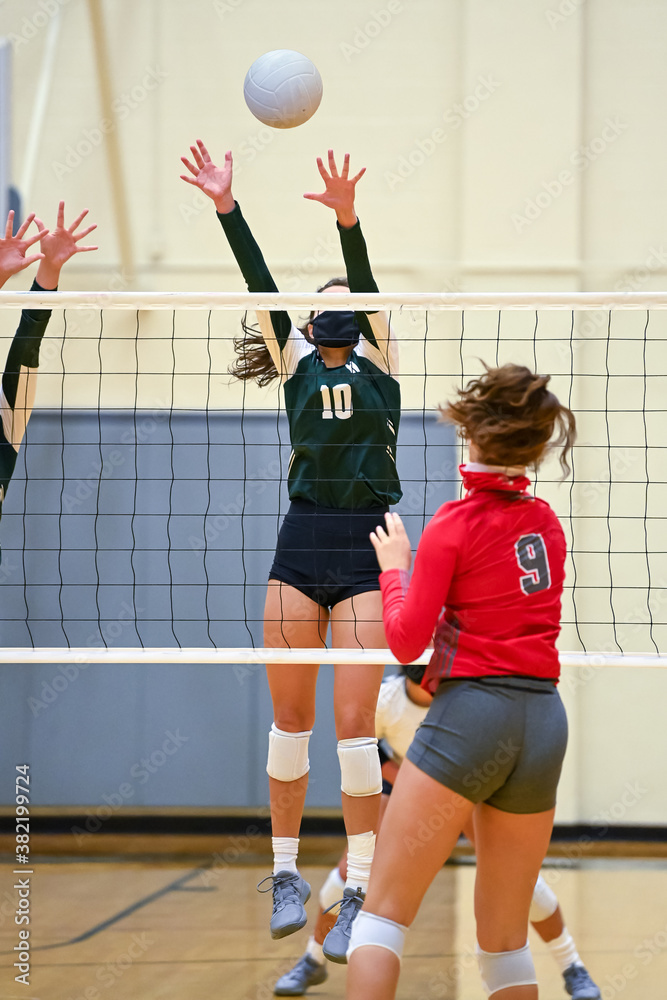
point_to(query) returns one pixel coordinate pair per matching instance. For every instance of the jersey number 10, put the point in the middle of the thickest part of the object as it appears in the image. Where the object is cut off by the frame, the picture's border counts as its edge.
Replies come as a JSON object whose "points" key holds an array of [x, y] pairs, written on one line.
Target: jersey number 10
{"points": [[336, 401], [531, 555]]}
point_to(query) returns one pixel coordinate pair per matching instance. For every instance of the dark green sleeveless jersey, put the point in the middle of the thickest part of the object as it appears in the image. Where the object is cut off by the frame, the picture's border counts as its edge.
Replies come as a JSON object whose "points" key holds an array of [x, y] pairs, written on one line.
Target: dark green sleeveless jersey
{"points": [[343, 421]]}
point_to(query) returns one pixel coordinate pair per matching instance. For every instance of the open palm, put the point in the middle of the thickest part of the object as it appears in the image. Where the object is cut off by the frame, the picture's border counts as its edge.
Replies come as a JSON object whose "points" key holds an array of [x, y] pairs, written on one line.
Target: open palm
{"points": [[59, 244], [339, 188], [13, 248], [214, 181]]}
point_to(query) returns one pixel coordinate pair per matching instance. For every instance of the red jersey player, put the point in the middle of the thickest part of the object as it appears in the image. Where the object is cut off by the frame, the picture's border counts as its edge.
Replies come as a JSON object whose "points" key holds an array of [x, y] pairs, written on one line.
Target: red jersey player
{"points": [[492, 743]]}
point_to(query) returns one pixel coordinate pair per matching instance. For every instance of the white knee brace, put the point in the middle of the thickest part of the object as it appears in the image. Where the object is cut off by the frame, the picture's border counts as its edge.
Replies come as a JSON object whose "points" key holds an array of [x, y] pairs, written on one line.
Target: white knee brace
{"points": [[544, 903], [332, 890], [288, 754], [378, 931], [360, 770], [501, 969]]}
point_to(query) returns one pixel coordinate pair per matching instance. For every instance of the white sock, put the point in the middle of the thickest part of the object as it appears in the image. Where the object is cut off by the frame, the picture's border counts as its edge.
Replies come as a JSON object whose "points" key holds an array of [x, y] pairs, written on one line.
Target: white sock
{"points": [[564, 951], [315, 950], [285, 850], [360, 849]]}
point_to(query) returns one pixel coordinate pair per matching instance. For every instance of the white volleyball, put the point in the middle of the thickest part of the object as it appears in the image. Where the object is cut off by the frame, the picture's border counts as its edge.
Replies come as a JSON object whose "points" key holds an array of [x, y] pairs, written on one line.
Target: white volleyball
{"points": [[283, 88]]}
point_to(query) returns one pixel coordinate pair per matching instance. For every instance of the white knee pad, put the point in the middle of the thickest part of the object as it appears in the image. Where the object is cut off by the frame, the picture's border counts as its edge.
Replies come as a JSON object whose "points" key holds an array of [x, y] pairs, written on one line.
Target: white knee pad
{"points": [[360, 771], [288, 754], [332, 890], [544, 903], [378, 931], [501, 969]]}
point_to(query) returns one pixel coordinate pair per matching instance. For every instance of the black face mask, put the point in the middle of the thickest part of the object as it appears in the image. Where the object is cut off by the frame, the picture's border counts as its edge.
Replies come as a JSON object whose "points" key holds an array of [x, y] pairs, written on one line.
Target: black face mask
{"points": [[336, 329]]}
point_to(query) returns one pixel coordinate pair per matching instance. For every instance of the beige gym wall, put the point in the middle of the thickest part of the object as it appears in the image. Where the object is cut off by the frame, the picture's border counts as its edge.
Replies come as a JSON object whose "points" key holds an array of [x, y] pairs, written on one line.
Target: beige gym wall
{"points": [[510, 145]]}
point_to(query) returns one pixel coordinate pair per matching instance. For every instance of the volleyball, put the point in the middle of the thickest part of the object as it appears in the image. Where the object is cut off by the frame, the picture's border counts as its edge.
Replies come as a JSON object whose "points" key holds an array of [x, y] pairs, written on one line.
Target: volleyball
{"points": [[283, 88]]}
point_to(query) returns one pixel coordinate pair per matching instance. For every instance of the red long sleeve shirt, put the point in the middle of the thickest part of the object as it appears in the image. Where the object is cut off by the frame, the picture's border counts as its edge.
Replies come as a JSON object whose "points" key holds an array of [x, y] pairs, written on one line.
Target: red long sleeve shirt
{"points": [[488, 577]]}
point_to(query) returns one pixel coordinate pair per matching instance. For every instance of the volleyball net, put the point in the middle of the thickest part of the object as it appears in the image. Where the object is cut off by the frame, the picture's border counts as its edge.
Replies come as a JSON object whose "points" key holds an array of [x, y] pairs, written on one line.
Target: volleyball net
{"points": [[143, 513]]}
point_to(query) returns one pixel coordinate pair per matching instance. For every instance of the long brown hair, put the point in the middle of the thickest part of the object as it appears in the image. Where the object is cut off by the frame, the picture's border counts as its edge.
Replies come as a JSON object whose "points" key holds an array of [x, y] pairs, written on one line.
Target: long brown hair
{"points": [[254, 360], [512, 417]]}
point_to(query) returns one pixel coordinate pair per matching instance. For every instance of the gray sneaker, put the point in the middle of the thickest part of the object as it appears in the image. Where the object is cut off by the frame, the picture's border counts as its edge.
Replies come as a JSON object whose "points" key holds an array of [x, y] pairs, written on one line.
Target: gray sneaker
{"points": [[290, 892], [337, 940], [307, 972], [579, 984]]}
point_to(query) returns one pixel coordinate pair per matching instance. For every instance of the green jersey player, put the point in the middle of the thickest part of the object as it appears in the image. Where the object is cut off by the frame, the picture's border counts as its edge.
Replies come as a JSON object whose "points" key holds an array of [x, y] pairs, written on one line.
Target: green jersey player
{"points": [[19, 384], [342, 397]]}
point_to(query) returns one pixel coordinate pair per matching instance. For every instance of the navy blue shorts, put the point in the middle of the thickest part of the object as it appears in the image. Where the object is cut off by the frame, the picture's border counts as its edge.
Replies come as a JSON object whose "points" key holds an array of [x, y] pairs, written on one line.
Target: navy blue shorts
{"points": [[326, 553], [499, 740]]}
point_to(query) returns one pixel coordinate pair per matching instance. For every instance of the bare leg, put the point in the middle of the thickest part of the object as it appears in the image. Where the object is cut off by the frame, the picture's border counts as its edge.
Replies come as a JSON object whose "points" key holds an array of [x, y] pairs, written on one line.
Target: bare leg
{"points": [[325, 921], [552, 927], [358, 622], [548, 929], [510, 849], [291, 620], [421, 827]]}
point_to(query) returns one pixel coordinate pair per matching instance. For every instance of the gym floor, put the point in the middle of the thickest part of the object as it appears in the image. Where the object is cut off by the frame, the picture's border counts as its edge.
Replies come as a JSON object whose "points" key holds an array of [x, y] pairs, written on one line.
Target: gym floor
{"points": [[188, 926]]}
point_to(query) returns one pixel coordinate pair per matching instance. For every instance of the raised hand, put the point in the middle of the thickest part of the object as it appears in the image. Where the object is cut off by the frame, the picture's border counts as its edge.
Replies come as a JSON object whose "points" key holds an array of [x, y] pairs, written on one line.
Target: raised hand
{"points": [[215, 182], [13, 248], [391, 544], [59, 245], [338, 189]]}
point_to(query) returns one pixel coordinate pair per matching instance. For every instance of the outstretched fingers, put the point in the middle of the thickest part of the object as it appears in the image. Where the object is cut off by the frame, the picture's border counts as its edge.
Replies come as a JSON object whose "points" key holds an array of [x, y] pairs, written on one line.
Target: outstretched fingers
{"points": [[77, 222], [204, 151], [333, 170], [326, 177], [191, 167], [27, 261], [42, 231], [197, 156], [22, 228], [80, 236]]}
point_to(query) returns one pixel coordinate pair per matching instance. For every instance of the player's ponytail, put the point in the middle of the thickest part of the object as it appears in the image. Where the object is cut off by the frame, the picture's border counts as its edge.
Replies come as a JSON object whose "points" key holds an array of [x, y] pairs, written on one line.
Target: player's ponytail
{"points": [[254, 360], [513, 418]]}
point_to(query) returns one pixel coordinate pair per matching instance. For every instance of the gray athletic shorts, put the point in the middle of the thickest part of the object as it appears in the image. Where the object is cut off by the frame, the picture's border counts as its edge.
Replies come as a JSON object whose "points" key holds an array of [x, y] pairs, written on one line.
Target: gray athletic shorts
{"points": [[495, 740]]}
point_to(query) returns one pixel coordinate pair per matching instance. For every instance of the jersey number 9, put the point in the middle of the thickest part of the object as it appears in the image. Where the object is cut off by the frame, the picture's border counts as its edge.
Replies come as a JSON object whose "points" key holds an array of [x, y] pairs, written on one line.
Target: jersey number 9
{"points": [[531, 555]]}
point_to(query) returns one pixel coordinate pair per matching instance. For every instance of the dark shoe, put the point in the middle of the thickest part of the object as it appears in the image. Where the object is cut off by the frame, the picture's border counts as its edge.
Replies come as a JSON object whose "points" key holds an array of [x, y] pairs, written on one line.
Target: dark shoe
{"points": [[307, 972], [337, 940], [290, 892], [579, 984]]}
